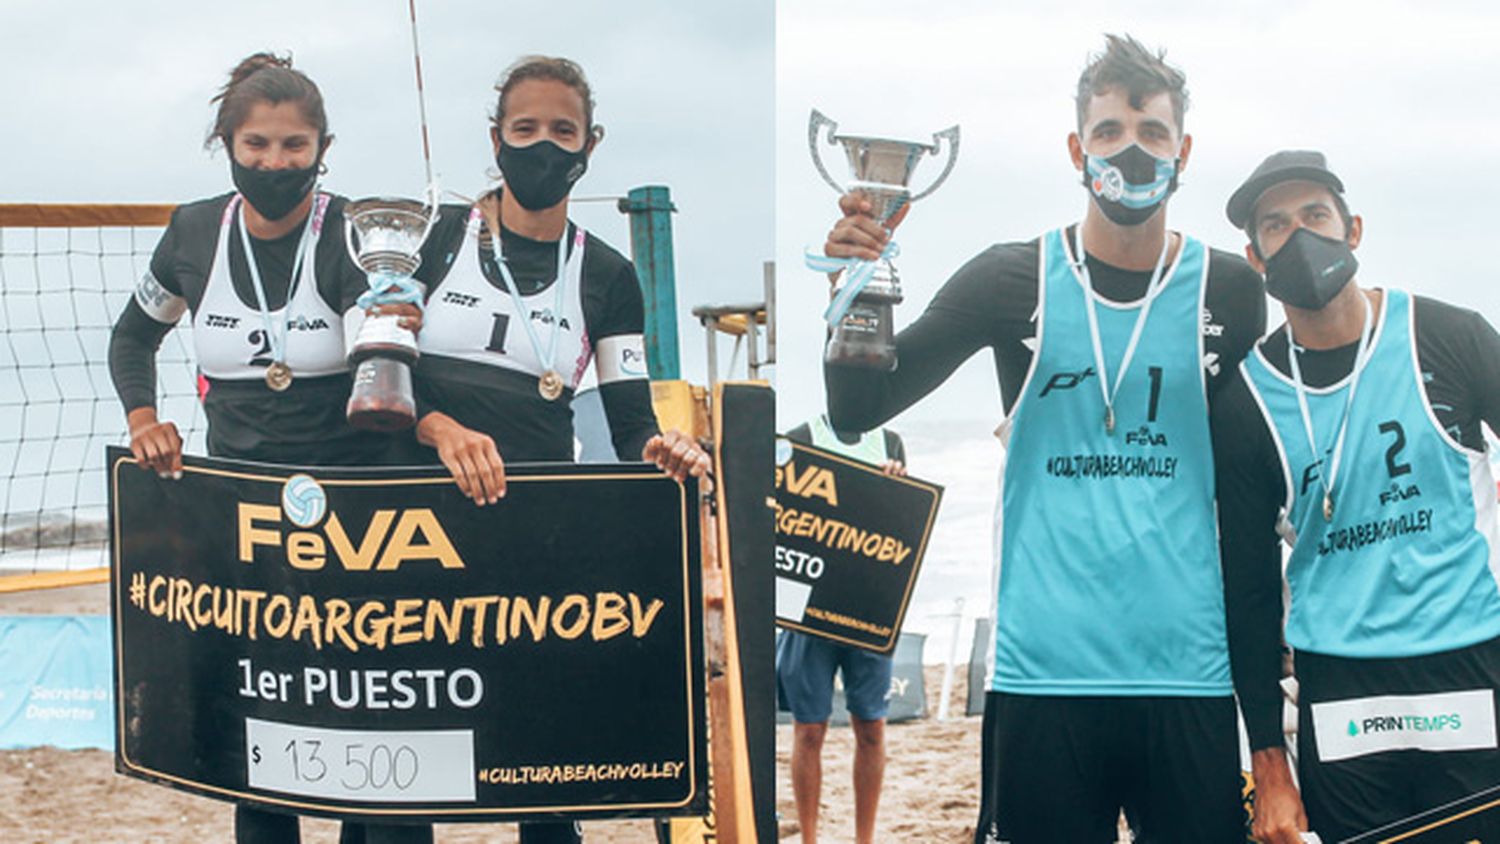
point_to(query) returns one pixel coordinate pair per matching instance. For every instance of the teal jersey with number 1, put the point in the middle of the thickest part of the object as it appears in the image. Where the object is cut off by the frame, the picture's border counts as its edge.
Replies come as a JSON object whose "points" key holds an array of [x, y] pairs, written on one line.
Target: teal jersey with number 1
{"points": [[1108, 581]]}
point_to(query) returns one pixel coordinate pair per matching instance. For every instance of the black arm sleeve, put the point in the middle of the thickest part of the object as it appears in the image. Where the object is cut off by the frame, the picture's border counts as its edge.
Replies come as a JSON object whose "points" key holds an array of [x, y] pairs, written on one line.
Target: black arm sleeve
{"points": [[894, 447], [1236, 318], [1482, 360], [135, 338], [1459, 355], [967, 314], [132, 356], [632, 419], [622, 310], [1250, 493]]}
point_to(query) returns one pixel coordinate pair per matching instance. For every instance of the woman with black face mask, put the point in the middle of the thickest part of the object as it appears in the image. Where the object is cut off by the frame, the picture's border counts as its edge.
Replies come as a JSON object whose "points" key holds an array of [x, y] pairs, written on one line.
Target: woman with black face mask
{"points": [[265, 275], [520, 301]]}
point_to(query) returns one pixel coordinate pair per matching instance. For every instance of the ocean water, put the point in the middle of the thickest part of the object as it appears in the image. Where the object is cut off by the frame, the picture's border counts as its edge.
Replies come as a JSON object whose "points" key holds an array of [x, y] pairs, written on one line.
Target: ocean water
{"points": [[963, 456]]}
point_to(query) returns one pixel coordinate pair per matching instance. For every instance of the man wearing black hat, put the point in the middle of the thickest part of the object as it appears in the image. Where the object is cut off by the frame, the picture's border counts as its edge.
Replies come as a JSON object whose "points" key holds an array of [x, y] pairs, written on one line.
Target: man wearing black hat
{"points": [[1363, 450], [1109, 683]]}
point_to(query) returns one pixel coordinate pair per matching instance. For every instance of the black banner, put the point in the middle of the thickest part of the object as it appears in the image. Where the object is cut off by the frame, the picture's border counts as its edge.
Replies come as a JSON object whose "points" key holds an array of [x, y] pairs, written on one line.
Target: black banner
{"points": [[1473, 819], [849, 545], [370, 642]]}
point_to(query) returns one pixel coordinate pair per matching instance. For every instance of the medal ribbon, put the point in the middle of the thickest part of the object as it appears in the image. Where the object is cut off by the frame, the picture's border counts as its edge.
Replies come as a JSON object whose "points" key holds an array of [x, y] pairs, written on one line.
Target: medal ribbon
{"points": [[1328, 478], [548, 362], [1080, 265], [391, 290], [858, 276], [277, 341]]}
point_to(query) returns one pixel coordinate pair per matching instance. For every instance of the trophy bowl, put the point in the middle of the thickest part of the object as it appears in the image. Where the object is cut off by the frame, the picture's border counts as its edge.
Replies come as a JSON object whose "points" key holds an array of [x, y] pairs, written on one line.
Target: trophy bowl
{"points": [[390, 233], [384, 236]]}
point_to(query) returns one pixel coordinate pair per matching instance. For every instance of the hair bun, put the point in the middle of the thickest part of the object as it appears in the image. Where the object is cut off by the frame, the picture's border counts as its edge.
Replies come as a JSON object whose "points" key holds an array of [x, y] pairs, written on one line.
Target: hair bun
{"points": [[255, 63]]}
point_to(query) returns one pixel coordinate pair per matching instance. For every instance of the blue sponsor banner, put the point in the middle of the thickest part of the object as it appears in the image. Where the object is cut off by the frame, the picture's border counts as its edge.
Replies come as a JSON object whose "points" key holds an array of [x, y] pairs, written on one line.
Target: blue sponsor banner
{"points": [[56, 686]]}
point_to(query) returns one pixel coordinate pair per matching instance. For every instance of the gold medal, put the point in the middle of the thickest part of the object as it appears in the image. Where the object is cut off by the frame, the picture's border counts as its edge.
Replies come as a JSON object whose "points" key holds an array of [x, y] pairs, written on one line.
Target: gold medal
{"points": [[550, 385], [278, 376]]}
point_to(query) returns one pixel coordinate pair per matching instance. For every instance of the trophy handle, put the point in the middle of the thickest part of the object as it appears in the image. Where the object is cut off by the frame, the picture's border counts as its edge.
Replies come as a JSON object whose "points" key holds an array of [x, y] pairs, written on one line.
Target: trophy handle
{"points": [[349, 241], [951, 135], [815, 121]]}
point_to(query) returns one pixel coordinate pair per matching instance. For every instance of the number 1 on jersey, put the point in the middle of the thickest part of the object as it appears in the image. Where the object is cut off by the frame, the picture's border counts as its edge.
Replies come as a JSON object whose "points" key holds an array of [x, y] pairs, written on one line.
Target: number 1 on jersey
{"points": [[1155, 375], [497, 333]]}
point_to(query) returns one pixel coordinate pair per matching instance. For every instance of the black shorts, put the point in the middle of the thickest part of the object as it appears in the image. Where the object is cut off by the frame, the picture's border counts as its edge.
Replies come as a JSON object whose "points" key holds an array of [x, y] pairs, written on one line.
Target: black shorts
{"points": [[1062, 768], [1383, 760]]}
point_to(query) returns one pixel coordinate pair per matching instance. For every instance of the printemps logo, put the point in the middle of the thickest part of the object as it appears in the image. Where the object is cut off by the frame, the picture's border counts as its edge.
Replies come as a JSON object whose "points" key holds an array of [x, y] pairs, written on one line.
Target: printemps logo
{"points": [[392, 537], [1448, 722]]}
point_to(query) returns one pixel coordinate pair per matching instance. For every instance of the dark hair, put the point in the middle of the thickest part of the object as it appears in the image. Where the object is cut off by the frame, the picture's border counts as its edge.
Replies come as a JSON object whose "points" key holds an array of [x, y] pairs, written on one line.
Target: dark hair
{"points": [[544, 67], [265, 77], [1338, 203], [1127, 65]]}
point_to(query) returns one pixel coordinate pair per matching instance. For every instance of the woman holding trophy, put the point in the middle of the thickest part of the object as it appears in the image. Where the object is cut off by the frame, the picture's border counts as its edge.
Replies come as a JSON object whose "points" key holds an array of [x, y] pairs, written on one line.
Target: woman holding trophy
{"points": [[264, 272], [520, 300]]}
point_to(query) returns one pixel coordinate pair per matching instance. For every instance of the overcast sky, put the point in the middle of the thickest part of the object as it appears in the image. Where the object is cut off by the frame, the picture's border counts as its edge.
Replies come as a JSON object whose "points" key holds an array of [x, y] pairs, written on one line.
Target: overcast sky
{"points": [[108, 102], [1398, 94]]}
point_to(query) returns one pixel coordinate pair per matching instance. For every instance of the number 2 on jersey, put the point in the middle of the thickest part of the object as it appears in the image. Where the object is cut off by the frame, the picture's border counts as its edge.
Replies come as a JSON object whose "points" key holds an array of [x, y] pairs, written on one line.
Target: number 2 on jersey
{"points": [[262, 355], [1393, 466]]}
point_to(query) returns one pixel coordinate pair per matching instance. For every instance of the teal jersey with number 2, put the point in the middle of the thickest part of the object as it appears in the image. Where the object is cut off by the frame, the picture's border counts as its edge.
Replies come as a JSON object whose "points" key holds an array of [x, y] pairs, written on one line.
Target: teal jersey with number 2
{"points": [[1108, 581], [1407, 565]]}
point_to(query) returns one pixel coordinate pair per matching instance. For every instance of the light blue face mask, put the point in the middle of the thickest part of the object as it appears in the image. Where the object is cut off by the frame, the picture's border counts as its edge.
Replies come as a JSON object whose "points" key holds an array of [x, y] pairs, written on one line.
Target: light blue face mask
{"points": [[1130, 184]]}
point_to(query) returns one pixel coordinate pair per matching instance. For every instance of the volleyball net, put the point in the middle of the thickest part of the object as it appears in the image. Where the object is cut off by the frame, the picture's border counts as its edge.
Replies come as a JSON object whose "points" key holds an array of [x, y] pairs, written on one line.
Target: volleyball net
{"points": [[66, 272]]}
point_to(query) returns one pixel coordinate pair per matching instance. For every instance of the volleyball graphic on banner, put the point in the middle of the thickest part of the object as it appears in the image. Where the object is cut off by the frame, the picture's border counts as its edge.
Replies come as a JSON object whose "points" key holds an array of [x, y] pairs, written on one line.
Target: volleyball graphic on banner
{"points": [[303, 500]]}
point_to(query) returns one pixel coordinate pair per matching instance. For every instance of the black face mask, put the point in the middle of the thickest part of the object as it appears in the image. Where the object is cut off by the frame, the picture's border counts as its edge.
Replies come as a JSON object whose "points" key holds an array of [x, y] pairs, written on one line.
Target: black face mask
{"points": [[1309, 270], [273, 193], [540, 175]]}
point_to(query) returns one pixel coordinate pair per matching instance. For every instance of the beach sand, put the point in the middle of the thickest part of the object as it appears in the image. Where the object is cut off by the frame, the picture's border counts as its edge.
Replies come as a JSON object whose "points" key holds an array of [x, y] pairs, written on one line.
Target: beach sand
{"points": [[52, 796], [931, 791]]}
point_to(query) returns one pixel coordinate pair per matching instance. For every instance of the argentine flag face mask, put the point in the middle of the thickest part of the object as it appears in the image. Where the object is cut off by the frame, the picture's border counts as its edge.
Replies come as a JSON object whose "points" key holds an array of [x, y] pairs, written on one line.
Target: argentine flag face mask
{"points": [[1129, 185]]}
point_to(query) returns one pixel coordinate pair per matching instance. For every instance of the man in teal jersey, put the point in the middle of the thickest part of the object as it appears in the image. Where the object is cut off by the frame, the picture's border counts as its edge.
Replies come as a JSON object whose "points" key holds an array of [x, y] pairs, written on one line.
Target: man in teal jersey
{"points": [[1354, 434], [805, 666], [1109, 685]]}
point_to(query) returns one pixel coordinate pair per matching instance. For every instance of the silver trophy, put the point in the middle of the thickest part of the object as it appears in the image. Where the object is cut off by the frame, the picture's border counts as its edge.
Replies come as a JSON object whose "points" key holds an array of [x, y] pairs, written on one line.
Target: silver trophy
{"points": [[384, 236], [881, 169]]}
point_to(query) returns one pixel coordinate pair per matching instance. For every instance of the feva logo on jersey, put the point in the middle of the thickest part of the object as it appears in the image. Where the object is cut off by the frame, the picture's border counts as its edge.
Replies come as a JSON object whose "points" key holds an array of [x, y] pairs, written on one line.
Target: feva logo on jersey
{"points": [[392, 538]]}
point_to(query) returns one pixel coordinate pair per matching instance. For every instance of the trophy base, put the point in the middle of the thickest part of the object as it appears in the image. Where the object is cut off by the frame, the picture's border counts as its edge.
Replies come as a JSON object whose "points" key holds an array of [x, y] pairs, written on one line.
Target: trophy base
{"points": [[866, 337], [382, 396], [381, 335]]}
